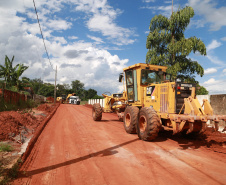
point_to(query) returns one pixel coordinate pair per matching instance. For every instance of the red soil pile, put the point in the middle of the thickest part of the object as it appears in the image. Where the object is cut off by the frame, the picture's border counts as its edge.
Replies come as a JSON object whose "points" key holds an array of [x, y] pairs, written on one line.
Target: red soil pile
{"points": [[45, 107], [50, 99], [11, 123], [215, 140]]}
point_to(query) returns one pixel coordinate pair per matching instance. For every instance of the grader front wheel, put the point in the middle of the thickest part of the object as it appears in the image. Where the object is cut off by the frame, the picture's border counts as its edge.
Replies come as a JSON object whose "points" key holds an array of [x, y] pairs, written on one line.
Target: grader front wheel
{"points": [[148, 125], [97, 112], [131, 119]]}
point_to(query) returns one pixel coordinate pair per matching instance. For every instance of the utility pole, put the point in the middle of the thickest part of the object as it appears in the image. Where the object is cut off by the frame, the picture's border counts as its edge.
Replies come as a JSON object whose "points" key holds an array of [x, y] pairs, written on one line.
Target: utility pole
{"points": [[55, 86]]}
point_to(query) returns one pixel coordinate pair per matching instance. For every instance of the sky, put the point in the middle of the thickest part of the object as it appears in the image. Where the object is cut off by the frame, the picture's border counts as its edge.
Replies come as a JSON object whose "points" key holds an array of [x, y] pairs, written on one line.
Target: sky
{"points": [[93, 40]]}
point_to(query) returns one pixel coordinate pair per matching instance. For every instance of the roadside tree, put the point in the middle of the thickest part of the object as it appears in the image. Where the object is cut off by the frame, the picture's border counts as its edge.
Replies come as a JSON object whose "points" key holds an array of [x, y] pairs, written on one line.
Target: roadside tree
{"points": [[167, 45]]}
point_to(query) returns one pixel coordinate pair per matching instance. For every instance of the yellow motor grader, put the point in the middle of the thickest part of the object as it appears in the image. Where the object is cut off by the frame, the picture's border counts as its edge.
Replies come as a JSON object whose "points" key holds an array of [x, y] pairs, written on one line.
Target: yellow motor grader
{"points": [[152, 100]]}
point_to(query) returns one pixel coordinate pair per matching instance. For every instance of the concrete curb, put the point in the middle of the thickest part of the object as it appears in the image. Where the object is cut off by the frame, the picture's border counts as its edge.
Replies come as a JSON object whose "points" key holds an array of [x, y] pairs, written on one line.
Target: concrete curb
{"points": [[37, 134]]}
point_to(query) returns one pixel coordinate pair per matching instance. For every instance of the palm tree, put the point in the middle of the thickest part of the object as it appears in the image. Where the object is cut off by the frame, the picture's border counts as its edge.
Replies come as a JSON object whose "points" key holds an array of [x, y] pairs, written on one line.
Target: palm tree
{"points": [[6, 71], [17, 72], [10, 73]]}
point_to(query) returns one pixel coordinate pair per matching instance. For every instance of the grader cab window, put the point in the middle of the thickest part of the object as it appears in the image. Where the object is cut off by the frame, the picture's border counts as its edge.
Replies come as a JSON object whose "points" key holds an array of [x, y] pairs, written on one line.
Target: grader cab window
{"points": [[130, 85], [129, 77], [148, 77]]}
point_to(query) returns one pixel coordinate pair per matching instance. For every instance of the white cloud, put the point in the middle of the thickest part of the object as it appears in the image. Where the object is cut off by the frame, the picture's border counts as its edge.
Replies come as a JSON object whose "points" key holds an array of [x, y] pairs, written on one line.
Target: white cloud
{"points": [[210, 54], [148, 1], [210, 71], [215, 86], [58, 24], [97, 39], [223, 38], [73, 37], [213, 45], [215, 60], [196, 23], [102, 19], [77, 60], [224, 71], [213, 15], [210, 81], [164, 10], [89, 75], [60, 40]]}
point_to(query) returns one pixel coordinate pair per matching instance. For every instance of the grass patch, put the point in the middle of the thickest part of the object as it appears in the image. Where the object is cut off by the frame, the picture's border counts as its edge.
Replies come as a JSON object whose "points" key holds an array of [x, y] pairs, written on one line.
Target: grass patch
{"points": [[5, 147]]}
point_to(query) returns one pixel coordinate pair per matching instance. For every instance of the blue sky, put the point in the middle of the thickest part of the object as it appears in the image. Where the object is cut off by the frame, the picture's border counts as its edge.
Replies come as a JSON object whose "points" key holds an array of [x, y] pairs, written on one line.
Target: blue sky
{"points": [[93, 40]]}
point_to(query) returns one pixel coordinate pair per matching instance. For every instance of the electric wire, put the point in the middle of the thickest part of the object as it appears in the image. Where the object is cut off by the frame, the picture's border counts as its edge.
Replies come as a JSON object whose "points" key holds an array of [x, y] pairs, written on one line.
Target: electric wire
{"points": [[42, 35]]}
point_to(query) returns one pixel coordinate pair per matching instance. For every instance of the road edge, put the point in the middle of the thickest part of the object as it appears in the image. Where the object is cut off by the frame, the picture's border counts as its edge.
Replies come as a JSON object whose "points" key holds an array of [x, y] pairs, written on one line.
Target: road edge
{"points": [[37, 134]]}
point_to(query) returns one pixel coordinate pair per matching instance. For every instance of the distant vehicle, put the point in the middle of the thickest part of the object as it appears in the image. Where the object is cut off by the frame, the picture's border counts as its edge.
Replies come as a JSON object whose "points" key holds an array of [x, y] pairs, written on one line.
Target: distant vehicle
{"points": [[74, 100], [61, 98]]}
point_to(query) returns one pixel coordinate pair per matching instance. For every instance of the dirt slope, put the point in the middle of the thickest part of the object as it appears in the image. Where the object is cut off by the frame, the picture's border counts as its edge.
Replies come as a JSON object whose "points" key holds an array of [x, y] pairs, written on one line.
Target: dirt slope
{"points": [[73, 149]]}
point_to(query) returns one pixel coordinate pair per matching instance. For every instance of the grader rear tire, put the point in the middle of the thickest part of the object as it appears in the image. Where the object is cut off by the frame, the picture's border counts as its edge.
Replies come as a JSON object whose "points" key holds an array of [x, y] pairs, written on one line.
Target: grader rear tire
{"points": [[131, 119], [97, 112], [148, 125]]}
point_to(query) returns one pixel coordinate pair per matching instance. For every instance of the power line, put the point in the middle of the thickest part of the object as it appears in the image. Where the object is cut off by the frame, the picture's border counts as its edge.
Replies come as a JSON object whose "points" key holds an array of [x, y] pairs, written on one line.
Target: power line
{"points": [[46, 52], [42, 34]]}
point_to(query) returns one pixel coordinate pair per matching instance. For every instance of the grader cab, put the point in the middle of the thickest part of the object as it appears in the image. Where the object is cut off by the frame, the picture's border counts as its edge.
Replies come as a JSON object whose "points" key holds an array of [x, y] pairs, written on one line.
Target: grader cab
{"points": [[152, 100]]}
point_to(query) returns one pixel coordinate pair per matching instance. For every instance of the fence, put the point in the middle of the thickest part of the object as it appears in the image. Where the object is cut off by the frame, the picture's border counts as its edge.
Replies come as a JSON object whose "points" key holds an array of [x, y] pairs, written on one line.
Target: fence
{"points": [[12, 97], [100, 101]]}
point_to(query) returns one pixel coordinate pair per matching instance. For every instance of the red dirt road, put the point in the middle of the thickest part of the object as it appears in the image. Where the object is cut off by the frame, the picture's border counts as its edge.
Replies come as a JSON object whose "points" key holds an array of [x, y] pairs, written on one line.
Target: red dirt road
{"points": [[73, 149]]}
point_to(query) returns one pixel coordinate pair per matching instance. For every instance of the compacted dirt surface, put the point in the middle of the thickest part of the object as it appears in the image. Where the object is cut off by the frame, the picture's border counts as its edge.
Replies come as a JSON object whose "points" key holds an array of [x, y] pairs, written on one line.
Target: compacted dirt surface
{"points": [[74, 149]]}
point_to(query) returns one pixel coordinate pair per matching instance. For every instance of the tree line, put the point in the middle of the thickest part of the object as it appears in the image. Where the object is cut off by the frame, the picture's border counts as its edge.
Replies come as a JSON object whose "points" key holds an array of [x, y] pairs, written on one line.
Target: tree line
{"points": [[47, 89]]}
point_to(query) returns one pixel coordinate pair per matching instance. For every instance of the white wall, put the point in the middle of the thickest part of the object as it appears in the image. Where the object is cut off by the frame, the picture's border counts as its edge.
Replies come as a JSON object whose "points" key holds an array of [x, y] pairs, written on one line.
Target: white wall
{"points": [[201, 97]]}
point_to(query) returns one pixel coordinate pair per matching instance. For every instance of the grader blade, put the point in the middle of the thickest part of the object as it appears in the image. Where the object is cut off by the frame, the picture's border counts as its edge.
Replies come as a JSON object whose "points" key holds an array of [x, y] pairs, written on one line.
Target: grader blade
{"points": [[216, 125], [203, 127], [199, 115], [191, 127]]}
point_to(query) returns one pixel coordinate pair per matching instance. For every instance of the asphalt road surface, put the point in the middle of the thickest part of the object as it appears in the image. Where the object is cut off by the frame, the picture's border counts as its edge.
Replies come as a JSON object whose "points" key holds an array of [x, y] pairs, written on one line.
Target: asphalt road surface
{"points": [[74, 149]]}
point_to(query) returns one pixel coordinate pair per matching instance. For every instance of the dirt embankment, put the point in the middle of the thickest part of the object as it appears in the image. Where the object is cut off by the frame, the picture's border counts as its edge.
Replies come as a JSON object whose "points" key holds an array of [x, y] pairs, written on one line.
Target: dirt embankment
{"points": [[18, 125]]}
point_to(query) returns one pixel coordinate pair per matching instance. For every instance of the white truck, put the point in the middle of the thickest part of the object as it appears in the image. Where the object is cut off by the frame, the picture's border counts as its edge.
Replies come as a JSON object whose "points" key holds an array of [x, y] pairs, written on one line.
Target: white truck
{"points": [[74, 100]]}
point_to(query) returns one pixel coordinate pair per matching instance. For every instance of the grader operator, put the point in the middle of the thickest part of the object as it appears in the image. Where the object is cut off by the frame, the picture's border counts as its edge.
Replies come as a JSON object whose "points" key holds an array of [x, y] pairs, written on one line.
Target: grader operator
{"points": [[152, 100]]}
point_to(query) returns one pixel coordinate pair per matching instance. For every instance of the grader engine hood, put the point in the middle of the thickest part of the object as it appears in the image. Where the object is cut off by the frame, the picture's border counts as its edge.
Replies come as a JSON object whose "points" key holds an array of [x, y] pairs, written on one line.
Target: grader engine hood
{"points": [[183, 90]]}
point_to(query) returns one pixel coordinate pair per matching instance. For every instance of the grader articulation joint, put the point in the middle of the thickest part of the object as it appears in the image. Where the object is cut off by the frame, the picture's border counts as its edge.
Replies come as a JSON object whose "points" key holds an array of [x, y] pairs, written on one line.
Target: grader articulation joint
{"points": [[151, 101]]}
